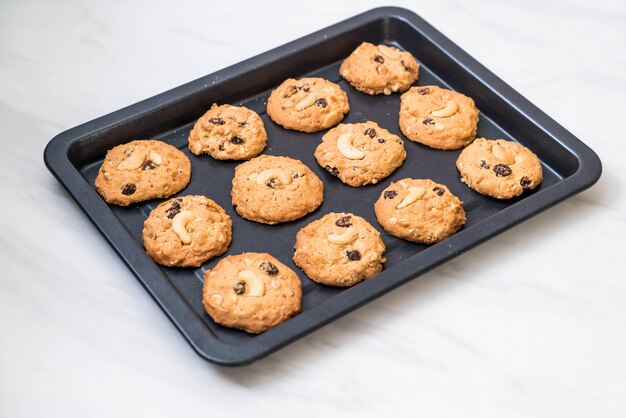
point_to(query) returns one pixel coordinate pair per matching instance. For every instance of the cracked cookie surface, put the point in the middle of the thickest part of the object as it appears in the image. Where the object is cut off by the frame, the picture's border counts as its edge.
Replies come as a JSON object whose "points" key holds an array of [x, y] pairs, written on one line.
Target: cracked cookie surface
{"points": [[340, 249], [270, 189], [439, 118], [499, 168], [186, 231], [419, 210], [308, 104], [360, 153], [142, 170], [228, 133], [252, 292], [379, 69]]}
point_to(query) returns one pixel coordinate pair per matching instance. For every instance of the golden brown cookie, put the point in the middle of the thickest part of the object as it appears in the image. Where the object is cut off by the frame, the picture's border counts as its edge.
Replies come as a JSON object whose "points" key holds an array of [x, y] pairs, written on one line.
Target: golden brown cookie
{"points": [[308, 104], [499, 168], [228, 133], [252, 292], [419, 211], [360, 153], [142, 170], [340, 249], [186, 231], [269, 189], [377, 69], [439, 118]]}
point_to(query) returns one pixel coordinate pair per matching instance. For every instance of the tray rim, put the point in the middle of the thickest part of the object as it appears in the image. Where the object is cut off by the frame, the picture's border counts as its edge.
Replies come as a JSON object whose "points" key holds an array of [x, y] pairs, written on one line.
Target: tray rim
{"points": [[56, 158]]}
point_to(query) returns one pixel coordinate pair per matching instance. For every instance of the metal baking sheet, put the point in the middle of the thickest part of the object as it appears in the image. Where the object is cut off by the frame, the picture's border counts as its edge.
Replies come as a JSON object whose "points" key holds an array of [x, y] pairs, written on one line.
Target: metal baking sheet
{"points": [[75, 156]]}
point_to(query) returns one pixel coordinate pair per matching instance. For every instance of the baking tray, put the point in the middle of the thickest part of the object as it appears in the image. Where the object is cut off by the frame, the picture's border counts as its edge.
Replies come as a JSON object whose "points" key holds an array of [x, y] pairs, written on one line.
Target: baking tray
{"points": [[74, 157]]}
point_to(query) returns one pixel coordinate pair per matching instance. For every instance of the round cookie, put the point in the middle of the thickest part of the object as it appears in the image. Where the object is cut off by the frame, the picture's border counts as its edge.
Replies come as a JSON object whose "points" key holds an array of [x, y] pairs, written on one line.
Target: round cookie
{"points": [[142, 170], [439, 118], [186, 231], [419, 210], [228, 133], [252, 292], [499, 168], [377, 69], [308, 104], [269, 189], [340, 249], [360, 153]]}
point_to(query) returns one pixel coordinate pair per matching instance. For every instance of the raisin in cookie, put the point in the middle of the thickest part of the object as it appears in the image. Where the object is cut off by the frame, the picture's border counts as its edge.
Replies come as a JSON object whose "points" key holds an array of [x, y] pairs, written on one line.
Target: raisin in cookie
{"points": [[438, 118], [360, 153], [419, 210], [142, 170], [377, 69], [307, 104], [252, 292], [340, 249], [269, 189], [228, 133], [499, 168], [186, 231]]}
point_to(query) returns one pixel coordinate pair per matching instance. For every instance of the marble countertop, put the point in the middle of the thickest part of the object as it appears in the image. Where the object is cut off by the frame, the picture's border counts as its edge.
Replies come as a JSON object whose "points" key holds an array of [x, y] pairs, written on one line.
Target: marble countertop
{"points": [[529, 324]]}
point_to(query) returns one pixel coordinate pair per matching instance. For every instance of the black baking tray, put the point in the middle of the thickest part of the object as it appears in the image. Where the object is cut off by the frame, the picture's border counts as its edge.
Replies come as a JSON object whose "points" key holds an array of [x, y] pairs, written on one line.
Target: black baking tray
{"points": [[74, 158]]}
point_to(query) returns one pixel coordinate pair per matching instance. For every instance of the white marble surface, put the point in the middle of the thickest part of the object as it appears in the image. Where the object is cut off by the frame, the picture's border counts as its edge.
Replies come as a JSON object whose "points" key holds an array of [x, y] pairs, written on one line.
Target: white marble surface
{"points": [[529, 324]]}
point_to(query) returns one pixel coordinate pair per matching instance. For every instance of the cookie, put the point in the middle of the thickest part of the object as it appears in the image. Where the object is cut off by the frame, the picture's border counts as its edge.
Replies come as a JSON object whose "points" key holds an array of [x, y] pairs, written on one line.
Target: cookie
{"points": [[438, 118], [228, 133], [499, 168], [378, 69], [340, 249], [186, 231], [251, 291], [270, 189], [419, 210], [142, 170], [360, 153], [308, 104]]}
